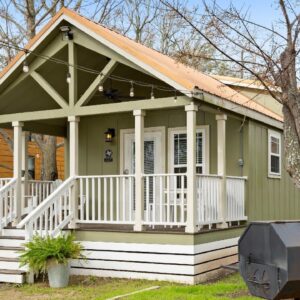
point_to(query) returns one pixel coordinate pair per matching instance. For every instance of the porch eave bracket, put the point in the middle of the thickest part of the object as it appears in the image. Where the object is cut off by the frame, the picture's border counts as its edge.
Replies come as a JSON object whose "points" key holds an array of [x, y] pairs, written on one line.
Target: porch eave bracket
{"points": [[49, 90]]}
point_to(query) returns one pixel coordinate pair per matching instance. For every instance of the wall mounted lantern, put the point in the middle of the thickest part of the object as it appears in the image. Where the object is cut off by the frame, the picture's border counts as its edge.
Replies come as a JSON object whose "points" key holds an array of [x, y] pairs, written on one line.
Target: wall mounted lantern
{"points": [[109, 135]]}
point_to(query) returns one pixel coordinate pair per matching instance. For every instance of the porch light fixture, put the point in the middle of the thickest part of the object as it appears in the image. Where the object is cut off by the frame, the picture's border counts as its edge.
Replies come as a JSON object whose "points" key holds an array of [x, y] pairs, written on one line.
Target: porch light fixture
{"points": [[131, 93], [67, 33], [109, 135], [68, 78]]}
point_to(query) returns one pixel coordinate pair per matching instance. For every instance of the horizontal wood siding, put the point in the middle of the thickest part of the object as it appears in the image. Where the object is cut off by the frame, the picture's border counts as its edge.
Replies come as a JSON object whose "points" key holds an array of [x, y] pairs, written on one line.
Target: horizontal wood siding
{"points": [[6, 158], [180, 263], [268, 198]]}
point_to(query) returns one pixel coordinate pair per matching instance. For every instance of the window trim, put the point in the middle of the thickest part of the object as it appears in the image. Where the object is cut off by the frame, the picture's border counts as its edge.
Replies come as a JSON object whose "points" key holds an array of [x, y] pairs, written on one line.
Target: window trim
{"points": [[205, 135], [277, 135]]}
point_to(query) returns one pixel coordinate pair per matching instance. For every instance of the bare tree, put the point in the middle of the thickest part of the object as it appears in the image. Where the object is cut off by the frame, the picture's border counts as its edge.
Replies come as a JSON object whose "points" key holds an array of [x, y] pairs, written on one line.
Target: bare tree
{"points": [[276, 52], [19, 22]]}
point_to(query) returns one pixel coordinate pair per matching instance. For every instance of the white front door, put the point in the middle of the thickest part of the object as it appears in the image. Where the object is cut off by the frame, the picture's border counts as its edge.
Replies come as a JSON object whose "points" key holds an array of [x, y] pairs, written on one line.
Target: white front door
{"points": [[153, 155]]}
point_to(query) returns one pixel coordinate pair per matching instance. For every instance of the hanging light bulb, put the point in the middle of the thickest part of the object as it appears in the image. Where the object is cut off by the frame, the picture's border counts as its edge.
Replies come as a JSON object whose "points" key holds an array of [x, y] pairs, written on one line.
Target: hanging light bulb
{"points": [[175, 96], [68, 78], [25, 67], [152, 93], [100, 88], [131, 93]]}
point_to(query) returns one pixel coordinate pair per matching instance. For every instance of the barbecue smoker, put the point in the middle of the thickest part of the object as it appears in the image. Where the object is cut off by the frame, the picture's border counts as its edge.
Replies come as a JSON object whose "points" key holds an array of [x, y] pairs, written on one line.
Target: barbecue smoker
{"points": [[269, 259]]}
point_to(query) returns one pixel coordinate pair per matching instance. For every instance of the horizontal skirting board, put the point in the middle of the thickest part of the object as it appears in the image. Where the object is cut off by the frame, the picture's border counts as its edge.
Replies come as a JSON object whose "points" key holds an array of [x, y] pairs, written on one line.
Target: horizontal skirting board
{"points": [[179, 263]]}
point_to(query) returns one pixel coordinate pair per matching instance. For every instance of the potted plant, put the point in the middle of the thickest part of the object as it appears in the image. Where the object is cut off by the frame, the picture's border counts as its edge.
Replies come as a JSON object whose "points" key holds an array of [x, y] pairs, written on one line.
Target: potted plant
{"points": [[52, 255]]}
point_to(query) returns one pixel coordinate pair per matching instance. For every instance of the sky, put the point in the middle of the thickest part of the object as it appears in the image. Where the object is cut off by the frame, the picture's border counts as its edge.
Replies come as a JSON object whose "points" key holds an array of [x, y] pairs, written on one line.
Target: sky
{"points": [[262, 11]]}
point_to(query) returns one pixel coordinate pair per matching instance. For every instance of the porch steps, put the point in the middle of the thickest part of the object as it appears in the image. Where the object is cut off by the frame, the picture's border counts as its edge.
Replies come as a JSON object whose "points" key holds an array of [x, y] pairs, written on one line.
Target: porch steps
{"points": [[11, 243]]}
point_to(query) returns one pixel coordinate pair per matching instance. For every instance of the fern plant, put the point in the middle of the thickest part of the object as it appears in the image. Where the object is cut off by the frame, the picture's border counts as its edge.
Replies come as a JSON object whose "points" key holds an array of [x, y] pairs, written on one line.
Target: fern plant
{"points": [[43, 251]]}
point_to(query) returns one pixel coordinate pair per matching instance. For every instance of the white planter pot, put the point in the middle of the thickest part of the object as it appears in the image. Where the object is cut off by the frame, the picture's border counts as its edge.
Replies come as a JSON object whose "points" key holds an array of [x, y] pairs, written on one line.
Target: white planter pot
{"points": [[58, 275]]}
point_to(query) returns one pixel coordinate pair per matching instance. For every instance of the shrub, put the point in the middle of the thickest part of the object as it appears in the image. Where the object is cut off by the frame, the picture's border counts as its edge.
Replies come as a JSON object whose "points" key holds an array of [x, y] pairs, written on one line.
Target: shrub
{"points": [[42, 251]]}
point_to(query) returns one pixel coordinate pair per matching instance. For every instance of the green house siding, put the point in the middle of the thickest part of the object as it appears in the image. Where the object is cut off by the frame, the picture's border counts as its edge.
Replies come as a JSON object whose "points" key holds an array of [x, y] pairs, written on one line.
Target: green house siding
{"points": [[92, 144], [268, 198]]}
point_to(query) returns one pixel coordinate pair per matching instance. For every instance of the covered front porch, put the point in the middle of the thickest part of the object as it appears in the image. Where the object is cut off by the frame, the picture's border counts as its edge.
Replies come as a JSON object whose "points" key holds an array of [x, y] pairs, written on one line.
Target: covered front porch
{"points": [[163, 181]]}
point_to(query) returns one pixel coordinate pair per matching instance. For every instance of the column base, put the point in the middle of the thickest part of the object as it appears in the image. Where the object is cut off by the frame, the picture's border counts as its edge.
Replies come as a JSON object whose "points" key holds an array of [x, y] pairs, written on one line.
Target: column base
{"points": [[191, 229], [138, 227], [222, 225], [73, 225]]}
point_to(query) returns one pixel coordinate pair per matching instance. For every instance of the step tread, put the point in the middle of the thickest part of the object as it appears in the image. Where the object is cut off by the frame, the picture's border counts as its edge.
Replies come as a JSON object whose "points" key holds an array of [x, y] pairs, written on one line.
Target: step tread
{"points": [[12, 272], [6, 237], [11, 248], [9, 259]]}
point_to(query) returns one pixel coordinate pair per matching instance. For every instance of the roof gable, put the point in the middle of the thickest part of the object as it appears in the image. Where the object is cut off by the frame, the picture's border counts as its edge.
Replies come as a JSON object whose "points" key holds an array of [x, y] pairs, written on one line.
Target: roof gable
{"points": [[161, 66]]}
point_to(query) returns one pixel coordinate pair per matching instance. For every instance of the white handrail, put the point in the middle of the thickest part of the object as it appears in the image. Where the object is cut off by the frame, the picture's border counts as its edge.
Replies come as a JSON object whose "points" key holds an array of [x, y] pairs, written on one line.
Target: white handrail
{"points": [[52, 214], [7, 203]]}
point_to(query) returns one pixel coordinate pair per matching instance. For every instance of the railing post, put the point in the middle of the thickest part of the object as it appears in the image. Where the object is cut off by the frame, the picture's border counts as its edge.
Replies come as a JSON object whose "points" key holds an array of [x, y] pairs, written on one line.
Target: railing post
{"points": [[17, 126], [73, 163], [191, 222], [221, 129], [139, 169]]}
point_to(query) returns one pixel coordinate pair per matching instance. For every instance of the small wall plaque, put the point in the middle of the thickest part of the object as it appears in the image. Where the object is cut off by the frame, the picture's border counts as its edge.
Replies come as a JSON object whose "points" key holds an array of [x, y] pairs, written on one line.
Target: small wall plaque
{"points": [[108, 155]]}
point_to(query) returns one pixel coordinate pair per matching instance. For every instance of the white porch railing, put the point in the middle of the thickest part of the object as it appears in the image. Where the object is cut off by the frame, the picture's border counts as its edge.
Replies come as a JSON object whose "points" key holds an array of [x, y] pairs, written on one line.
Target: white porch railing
{"points": [[165, 199], [235, 187], [4, 181], [7, 203], [208, 197], [106, 199], [53, 214], [35, 192]]}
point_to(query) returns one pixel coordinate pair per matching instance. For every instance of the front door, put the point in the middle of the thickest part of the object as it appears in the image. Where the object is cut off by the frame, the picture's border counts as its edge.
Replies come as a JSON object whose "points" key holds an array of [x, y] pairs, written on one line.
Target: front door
{"points": [[153, 163]]}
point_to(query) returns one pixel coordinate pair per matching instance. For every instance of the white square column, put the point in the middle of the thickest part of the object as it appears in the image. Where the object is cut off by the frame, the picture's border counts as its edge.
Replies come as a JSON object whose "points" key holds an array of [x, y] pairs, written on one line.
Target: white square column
{"points": [[139, 168], [17, 126], [25, 174], [73, 164], [221, 144], [191, 222]]}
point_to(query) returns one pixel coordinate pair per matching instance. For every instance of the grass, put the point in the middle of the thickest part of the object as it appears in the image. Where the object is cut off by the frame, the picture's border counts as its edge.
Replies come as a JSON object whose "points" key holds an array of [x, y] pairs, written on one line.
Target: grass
{"points": [[88, 288]]}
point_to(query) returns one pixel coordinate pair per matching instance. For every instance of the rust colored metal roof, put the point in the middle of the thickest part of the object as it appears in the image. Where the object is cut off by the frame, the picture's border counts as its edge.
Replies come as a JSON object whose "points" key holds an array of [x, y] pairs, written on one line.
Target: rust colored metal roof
{"points": [[184, 76]]}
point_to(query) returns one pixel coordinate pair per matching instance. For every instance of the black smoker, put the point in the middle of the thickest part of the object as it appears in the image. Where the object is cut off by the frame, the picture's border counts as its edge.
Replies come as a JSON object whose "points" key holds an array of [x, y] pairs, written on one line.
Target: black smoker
{"points": [[269, 259]]}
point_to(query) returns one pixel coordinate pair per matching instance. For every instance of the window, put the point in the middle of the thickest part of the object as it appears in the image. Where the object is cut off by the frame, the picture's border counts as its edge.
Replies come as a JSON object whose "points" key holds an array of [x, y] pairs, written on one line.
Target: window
{"points": [[31, 167], [178, 150], [274, 153]]}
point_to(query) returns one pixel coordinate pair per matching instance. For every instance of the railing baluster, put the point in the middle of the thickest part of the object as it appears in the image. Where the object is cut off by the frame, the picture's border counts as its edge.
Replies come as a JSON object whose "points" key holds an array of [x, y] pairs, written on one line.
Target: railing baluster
{"points": [[93, 200], [99, 199], [118, 199], [105, 199]]}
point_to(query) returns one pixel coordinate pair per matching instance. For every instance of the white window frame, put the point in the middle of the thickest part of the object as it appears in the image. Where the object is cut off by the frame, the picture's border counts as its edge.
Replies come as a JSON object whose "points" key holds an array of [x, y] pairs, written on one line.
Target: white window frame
{"points": [[277, 135], [161, 135], [204, 129]]}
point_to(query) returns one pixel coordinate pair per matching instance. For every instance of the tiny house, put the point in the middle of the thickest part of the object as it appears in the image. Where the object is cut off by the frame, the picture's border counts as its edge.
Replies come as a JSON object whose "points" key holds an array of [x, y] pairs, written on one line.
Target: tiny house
{"points": [[164, 165]]}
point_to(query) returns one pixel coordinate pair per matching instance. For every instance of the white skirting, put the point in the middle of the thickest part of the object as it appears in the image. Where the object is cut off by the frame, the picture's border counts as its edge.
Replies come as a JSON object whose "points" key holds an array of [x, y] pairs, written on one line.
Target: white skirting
{"points": [[179, 263]]}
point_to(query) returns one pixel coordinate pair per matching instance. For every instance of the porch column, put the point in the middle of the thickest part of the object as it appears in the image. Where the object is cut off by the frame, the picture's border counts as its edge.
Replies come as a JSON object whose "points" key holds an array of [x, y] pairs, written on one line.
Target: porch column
{"points": [[191, 222], [221, 132], [73, 165], [139, 168], [24, 166], [17, 126]]}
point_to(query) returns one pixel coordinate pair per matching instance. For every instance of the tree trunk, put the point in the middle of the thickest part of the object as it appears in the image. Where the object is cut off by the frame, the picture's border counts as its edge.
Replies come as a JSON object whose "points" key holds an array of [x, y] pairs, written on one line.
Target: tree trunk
{"points": [[291, 146]]}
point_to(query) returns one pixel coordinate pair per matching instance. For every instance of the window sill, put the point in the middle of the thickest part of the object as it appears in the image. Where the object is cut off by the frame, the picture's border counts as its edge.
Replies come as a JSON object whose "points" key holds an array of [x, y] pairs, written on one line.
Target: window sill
{"points": [[274, 176]]}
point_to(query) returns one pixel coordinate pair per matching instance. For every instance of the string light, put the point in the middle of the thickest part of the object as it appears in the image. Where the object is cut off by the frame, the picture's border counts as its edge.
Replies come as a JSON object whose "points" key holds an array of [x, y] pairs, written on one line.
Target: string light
{"points": [[25, 64], [25, 67], [68, 78], [175, 96], [152, 93], [88, 70], [131, 93], [100, 88]]}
